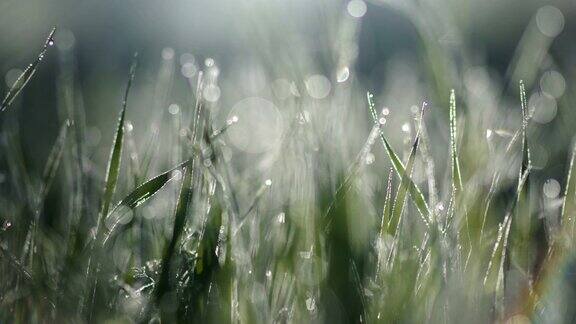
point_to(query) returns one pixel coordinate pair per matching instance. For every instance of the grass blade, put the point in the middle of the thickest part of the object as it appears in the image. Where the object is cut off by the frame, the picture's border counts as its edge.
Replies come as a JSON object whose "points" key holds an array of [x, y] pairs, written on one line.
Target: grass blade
{"points": [[456, 176], [184, 198], [569, 203], [113, 169], [415, 193], [400, 199], [25, 77], [139, 196]]}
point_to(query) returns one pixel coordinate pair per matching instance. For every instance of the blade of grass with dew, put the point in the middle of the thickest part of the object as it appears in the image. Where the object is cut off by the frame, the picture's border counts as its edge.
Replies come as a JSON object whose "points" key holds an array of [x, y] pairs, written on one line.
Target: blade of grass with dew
{"points": [[111, 179], [456, 176], [113, 169], [184, 199], [523, 224], [415, 193], [139, 196], [25, 77], [569, 201], [385, 218], [400, 199], [185, 196]]}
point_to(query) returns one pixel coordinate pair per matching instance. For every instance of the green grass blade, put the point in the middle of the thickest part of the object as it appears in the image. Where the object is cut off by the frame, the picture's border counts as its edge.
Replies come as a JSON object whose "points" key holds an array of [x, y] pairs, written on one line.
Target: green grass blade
{"points": [[415, 192], [25, 77], [139, 196], [386, 215], [400, 199], [526, 162], [569, 203], [113, 169], [456, 176], [184, 198]]}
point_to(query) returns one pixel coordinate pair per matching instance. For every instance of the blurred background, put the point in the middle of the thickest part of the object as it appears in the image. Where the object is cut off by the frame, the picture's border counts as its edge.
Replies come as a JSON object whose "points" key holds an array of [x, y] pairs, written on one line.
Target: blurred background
{"points": [[378, 44]]}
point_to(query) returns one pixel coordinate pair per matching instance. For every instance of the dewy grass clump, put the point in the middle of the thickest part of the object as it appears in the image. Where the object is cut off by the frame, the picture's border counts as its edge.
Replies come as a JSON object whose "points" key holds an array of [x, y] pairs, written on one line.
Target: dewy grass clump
{"points": [[319, 201]]}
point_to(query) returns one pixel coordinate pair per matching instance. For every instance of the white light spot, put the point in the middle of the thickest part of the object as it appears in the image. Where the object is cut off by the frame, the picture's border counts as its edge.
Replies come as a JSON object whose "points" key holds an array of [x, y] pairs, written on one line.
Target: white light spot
{"points": [[281, 218], [382, 121], [488, 133], [318, 86], [311, 304], [550, 21], [356, 8], [544, 106], [232, 120], [370, 158], [406, 127], [177, 174], [259, 126], [551, 188], [440, 206], [209, 62], [64, 40], [188, 70], [268, 273], [343, 74], [167, 53], [303, 117], [128, 126], [268, 182], [211, 93], [385, 111], [11, 76], [173, 109], [553, 84]]}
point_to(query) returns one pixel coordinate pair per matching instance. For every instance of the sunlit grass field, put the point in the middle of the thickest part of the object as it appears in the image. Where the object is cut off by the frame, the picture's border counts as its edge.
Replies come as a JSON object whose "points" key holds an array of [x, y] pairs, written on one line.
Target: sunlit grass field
{"points": [[289, 191]]}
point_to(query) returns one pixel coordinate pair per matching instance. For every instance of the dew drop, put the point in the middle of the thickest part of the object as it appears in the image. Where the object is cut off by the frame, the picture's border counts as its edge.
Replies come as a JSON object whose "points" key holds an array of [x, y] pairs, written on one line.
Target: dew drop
{"points": [[281, 218], [406, 127], [356, 8], [173, 109], [370, 158], [311, 304], [551, 188]]}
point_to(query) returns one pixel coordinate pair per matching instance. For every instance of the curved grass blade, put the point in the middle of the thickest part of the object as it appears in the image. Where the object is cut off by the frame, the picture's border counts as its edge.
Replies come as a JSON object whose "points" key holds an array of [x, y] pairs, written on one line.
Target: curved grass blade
{"points": [[113, 169], [111, 179], [139, 196], [415, 193], [22, 81]]}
